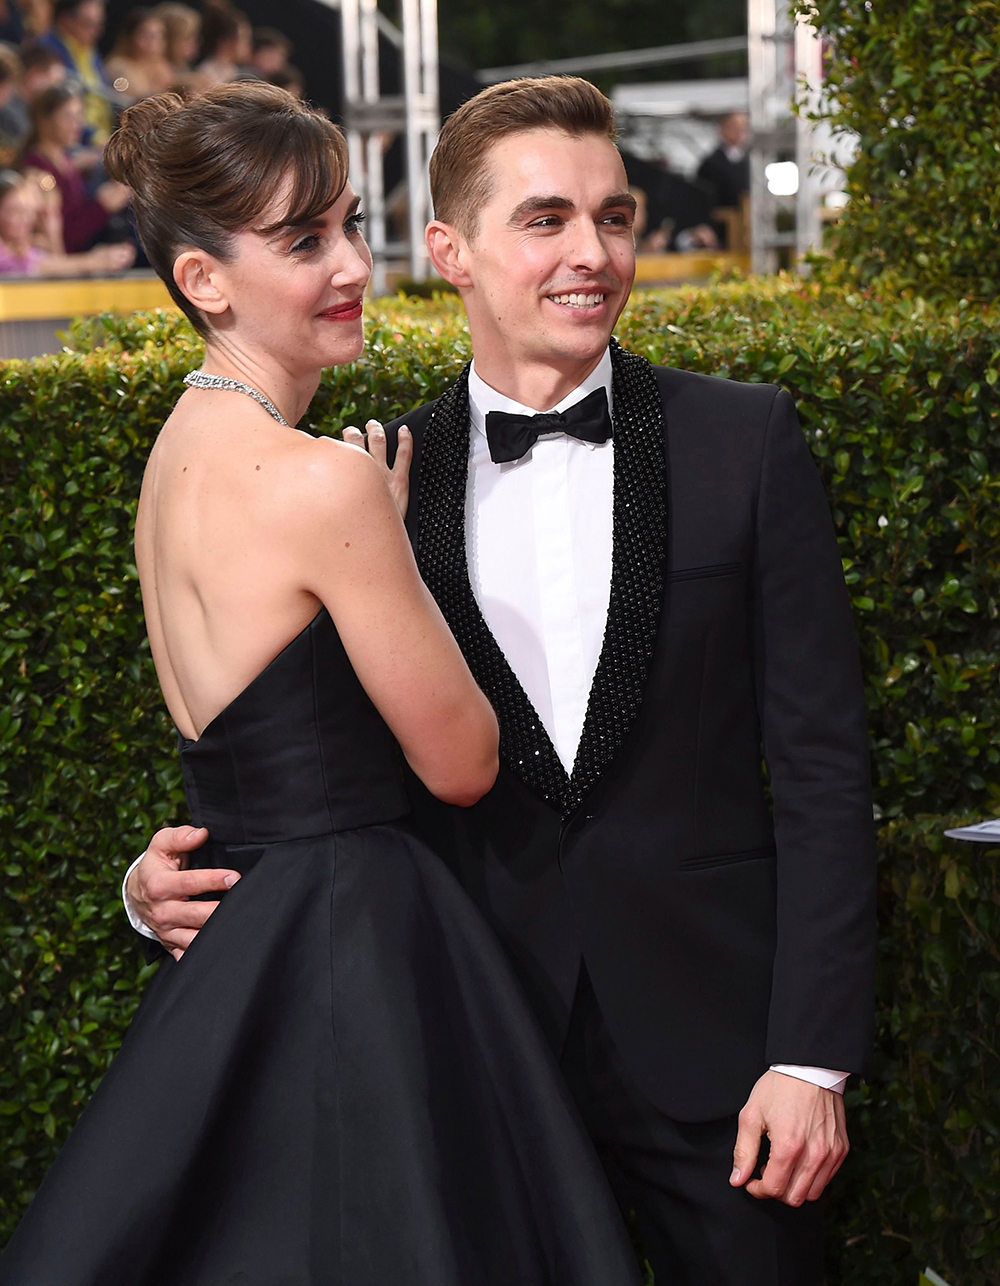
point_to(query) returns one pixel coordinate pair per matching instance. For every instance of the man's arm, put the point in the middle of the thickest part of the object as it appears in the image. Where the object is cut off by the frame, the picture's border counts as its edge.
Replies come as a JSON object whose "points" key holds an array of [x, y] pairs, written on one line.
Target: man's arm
{"points": [[158, 889], [811, 701]]}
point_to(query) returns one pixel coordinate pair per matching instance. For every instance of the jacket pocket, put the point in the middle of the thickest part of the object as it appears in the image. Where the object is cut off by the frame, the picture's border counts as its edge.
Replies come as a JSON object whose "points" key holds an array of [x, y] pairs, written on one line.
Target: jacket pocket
{"points": [[704, 573], [728, 859]]}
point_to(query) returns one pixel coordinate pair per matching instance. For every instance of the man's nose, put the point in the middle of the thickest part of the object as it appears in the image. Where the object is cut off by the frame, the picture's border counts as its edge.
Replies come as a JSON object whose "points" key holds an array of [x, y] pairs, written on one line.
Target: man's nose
{"points": [[587, 250]]}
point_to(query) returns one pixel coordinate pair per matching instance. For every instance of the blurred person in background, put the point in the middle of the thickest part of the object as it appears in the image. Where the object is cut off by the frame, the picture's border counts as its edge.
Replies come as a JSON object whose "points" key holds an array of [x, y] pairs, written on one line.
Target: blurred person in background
{"points": [[225, 43], [12, 30], [183, 29], [76, 28], [11, 136], [31, 237], [38, 68], [138, 64], [58, 124], [289, 78], [271, 52], [726, 170]]}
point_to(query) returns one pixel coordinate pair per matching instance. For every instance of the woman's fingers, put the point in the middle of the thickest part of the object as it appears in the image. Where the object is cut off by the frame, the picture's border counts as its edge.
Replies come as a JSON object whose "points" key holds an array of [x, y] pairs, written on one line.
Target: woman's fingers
{"points": [[376, 442], [354, 437]]}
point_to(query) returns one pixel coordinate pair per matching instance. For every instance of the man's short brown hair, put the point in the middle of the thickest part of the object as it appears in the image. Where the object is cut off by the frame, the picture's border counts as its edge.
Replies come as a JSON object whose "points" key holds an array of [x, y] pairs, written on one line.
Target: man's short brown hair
{"points": [[459, 172]]}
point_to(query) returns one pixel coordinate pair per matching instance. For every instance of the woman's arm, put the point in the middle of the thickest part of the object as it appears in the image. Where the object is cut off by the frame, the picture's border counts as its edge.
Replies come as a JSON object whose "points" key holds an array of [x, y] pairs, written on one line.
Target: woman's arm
{"points": [[392, 629]]}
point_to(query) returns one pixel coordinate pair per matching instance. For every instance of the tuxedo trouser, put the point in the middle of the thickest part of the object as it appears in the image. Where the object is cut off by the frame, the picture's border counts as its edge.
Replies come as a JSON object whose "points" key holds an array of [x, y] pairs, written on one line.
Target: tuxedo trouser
{"points": [[694, 1228]]}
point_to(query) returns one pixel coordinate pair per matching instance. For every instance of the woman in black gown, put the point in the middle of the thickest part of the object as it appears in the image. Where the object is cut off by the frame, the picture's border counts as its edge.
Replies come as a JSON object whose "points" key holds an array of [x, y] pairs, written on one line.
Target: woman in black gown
{"points": [[339, 1083]]}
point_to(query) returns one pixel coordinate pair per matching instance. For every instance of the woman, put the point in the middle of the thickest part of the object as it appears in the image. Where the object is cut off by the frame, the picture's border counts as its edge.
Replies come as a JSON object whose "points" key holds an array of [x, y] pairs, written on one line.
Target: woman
{"points": [[21, 207], [340, 1082], [183, 28], [226, 47], [138, 63], [58, 123]]}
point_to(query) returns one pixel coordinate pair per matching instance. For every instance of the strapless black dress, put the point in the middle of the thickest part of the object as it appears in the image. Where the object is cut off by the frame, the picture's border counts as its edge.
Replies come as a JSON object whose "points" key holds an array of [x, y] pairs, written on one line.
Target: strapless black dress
{"points": [[340, 1083]]}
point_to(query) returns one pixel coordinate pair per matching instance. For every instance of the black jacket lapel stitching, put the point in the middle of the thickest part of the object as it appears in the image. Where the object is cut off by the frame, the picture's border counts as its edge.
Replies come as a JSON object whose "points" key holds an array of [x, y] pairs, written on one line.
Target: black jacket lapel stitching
{"points": [[638, 562], [525, 746]]}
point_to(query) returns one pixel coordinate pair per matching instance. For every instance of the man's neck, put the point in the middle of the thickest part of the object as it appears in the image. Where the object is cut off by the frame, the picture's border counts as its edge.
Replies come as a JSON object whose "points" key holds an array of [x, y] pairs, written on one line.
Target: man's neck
{"points": [[539, 385]]}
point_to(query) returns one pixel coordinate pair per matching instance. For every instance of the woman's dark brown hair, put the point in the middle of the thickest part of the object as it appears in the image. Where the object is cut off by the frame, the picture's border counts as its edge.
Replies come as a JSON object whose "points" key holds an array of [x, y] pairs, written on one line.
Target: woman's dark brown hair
{"points": [[203, 168], [45, 105], [127, 28]]}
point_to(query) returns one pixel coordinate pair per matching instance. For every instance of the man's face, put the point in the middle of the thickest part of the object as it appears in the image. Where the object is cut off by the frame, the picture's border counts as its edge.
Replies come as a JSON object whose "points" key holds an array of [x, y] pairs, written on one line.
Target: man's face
{"points": [[735, 129], [552, 260], [85, 23]]}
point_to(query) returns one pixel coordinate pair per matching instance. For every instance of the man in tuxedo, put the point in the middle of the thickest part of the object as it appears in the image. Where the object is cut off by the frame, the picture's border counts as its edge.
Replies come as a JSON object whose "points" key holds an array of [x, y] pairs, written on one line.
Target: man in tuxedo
{"points": [[726, 170], [640, 567]]}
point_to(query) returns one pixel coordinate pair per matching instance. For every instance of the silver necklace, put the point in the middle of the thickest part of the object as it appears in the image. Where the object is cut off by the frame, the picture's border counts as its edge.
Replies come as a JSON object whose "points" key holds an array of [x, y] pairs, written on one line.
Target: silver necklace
{"points": [[202, 379]]}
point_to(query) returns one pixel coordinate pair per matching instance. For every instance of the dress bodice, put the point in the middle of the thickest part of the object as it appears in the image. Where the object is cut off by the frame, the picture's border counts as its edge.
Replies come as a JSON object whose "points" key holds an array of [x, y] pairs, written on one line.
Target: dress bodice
{"points": [[301, 751]]}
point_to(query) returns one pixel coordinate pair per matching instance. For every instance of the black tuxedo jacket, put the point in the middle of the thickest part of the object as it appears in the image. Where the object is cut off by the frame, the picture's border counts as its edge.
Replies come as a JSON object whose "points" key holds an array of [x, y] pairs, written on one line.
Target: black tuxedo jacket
{"points": [[720, 936], [728, 179]]}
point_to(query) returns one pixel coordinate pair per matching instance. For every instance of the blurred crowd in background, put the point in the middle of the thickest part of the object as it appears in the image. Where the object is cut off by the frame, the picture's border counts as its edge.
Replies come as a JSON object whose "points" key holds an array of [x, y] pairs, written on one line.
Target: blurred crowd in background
{"points": [[60, 215]]}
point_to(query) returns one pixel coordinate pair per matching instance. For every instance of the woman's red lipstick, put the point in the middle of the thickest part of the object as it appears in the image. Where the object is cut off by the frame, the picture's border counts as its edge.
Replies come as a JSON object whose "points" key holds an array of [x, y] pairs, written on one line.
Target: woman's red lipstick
{"points": [[343, 312]]}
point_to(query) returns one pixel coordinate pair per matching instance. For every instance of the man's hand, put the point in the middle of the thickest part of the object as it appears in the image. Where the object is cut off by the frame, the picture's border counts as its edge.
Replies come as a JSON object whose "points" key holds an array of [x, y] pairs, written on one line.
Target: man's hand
{"points": [[807, 1127], [161, 886]]}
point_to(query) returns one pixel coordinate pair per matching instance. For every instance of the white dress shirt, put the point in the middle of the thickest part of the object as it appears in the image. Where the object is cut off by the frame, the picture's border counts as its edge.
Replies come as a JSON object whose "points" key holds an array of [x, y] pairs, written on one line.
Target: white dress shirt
{"points": [[539, 544]]}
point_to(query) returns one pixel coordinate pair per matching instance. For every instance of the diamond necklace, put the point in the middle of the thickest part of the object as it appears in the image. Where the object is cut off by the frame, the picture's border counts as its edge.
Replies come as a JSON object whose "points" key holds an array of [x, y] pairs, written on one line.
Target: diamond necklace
{"points": [[202, 379]]}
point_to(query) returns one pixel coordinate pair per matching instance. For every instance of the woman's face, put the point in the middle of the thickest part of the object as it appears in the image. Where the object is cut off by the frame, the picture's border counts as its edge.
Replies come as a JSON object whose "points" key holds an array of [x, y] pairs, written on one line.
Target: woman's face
{"points": [[297, 294], [149, 40], [65, 126], [17, 216], [186, 46]]}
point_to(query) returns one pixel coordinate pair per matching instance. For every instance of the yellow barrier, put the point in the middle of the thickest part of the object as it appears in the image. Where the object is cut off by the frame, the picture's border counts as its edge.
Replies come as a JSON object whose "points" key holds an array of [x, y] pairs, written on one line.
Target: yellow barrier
{"points": [[676, 269], [42, 300]]}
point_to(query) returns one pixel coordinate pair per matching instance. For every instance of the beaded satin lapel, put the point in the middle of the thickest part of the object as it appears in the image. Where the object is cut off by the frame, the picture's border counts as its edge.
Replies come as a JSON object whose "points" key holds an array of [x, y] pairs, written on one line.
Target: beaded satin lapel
{"points": [[639, 543]]}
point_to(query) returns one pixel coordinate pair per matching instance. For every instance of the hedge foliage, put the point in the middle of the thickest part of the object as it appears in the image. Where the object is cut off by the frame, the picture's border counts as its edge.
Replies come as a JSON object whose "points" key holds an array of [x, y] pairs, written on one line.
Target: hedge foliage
{"points": [[899, 400], [918, 82]]}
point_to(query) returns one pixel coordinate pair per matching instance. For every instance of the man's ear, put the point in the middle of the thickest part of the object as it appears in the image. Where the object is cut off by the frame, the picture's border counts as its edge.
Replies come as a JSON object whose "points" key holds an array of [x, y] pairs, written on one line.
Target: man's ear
{"points": [[197, 276], [447, 249]]}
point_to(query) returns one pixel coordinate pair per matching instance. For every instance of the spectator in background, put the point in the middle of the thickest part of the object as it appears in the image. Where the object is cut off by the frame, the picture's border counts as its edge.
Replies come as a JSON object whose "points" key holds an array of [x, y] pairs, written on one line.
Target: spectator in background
{"points": [[138, 64], [183, 28], [291, 79], [76, 29], [39, 68], [57, 128], [12, 30], [225, 43], [22, 207], [727, 169], [11, 136], [271, 52]]}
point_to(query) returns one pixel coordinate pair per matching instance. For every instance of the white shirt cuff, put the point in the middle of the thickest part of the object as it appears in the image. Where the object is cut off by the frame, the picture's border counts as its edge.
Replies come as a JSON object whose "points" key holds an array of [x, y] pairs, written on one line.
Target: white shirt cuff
{"points": [[821, 1076], [133, 919]]}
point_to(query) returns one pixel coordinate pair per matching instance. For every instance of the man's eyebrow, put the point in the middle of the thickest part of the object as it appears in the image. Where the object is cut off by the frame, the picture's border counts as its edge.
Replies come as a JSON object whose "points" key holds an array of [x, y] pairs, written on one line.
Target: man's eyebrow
{"points": [[617, 199], [535, 203]]}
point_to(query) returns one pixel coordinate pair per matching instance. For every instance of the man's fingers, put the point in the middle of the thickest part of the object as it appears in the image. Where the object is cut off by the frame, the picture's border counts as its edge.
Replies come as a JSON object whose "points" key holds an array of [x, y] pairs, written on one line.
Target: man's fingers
{"points": [[172, 840], [747, 1147], [171, 886], [177, 940], [811, 1163], [826, 1172], [182, 915], [776, 1174]]}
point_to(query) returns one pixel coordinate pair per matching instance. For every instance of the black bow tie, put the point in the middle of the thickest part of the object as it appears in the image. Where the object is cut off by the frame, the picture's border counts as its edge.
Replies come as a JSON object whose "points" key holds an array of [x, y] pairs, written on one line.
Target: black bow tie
{"points": [[512, 436]]}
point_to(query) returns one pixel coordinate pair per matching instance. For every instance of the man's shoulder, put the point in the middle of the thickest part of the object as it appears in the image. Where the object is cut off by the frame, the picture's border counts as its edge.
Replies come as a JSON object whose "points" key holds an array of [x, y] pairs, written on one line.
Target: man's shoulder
{"points": [[681, 390], [414, 419]]}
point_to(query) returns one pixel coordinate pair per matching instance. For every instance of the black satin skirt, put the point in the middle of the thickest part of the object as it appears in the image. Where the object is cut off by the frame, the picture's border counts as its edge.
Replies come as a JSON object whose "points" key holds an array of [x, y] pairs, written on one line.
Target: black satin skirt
{"points": [[340, 1084]]}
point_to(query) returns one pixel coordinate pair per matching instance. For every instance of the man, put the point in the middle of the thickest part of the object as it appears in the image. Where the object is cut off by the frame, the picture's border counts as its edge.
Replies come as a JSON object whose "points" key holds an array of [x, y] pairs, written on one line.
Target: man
{"points": [[23, 76], [726, 170], [645, 582], [76, 29]]}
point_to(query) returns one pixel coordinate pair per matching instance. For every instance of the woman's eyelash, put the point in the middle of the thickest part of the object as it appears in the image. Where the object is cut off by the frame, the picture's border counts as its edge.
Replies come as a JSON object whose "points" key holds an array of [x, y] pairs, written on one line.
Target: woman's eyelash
{"points": [[356, 219]]}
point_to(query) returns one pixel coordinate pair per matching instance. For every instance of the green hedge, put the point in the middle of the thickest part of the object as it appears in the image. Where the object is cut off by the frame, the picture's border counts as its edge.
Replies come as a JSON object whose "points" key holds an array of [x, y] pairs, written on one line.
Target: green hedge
{"points": [[899, 401]]}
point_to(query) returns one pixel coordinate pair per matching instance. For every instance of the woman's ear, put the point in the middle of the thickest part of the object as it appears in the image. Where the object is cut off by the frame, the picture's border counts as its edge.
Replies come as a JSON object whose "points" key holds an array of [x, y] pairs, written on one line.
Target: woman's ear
{"points": [[198, 278], [447, 249]]}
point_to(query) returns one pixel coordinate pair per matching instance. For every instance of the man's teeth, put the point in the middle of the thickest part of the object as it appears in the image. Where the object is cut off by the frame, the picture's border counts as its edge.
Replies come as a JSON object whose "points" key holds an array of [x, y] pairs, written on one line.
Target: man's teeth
{"points": [[578, 301]]}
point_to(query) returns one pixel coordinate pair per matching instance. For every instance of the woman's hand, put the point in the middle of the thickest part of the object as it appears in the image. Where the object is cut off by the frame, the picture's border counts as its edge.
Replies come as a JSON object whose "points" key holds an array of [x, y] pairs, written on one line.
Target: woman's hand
{"points": [[113, 196], [398, 476]]}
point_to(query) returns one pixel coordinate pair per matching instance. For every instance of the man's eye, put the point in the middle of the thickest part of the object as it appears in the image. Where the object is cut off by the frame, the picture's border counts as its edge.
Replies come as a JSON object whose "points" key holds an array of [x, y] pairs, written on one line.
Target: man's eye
{"points": [[546, 221], [619, 220], [305, 244]]}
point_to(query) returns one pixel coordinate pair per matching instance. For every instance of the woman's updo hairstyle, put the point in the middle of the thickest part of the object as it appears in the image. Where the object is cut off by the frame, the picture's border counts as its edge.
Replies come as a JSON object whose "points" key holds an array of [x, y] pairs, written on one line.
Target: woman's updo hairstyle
{"points": [[206, 167]]}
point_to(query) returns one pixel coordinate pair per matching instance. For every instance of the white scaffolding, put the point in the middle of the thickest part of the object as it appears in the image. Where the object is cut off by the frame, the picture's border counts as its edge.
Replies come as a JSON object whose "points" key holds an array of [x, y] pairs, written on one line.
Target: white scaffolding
{"points": [[373, 119], [785, 62]]}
